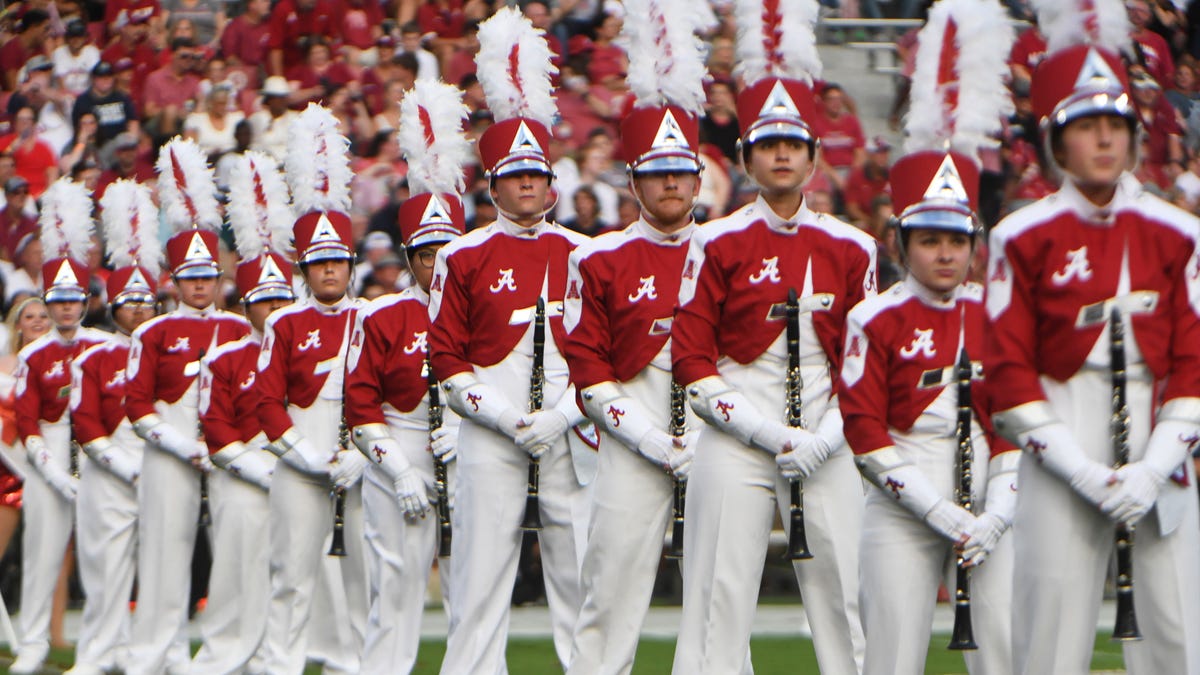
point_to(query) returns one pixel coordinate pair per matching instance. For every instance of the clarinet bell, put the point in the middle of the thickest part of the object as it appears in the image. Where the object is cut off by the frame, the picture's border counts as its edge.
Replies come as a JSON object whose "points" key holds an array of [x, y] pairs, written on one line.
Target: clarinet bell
{"points": [[963, 637], [797, 543], [675, 549], [1125, 629], [337, 547], [532, 521]]}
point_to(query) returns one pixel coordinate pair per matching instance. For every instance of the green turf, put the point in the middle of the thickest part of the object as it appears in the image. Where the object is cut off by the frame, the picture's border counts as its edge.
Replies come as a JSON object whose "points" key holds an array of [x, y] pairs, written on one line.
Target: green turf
{"points": [[772, 656]]}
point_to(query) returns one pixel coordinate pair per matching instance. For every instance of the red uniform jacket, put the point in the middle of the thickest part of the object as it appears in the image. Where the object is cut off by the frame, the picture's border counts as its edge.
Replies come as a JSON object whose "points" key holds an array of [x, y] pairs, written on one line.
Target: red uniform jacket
{"points": [[165, 354], [484, 286], [740, 267], [98, 393], [1052, 259], [44, 377], [302, 345], [621, 294], [386, 361], [228, 395]]}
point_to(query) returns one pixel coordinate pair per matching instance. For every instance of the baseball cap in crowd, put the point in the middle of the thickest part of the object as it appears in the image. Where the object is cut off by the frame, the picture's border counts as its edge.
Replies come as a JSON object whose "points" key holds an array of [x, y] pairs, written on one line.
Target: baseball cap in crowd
{"points": [[389, 259], [15, 184], [276, 86], [37, 63], [76, 28], [32, 18], [123, 64], [385, 41], [879, 144], [377, 241], [102, 69]]}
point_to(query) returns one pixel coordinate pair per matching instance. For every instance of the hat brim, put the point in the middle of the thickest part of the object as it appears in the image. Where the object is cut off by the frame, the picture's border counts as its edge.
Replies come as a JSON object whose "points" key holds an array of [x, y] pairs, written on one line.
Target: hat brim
{"points": [[65, 294], [522, 164], [1087, 103], [677, 162], [269, 292], [778, 127], [324, 253], [942, 216], [198, 271], [138, 297]]}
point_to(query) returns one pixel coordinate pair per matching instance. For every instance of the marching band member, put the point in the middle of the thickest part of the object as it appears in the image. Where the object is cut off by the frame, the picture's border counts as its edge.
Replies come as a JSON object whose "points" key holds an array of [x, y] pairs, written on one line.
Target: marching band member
{"points": [[43, 423], [162, 394], [728, 350], [621, 291], [486, 286], [107, 508], [239, 584], [1061, 271], [300, 374], [387, 388], [898, 388]]}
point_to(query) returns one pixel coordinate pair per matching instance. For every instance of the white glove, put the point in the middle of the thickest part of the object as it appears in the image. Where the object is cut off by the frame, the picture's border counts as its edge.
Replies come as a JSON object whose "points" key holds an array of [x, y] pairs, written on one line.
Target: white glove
{"points": [[982, 537], [443, 442], [685, 452], [411, 493], [950, 520], [300, 454], [163, 436], [802, 454], [481, 403], [347, 468], [1094, 482], [1137, 490], [114, 459], [657, 446], [537, 431], [58, 478], [252, 467]]}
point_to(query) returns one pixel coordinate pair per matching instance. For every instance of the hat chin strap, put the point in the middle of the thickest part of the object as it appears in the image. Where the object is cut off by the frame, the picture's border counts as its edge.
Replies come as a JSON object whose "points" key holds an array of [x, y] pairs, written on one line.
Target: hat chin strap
{"points": [[540, 216]]}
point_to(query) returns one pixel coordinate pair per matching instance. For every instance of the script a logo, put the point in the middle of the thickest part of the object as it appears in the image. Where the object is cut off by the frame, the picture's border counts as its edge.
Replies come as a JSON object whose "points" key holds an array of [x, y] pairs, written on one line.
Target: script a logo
{"points": [[645, 290]]}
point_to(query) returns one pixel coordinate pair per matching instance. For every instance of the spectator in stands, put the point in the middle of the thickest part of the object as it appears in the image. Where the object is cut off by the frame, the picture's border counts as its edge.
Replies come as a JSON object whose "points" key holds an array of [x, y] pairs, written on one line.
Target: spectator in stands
{"points": [[171, 92], [608, 58], [1027, 51], [719, 126], [293, 24], [113, 109], [868, 181], [32, 31], [1188, 183], [879, 225], [461, 60], [75, 58], [244, 40], [213, 126], [38, 90], [356, 23], [389, 117], [485, 210], [716, 190], [1152, 50], [25, 280], [120, 158], [34, 159], [586, 208], [594, 162], [223, 165], [819, 200], [411, 42], [721, 60], [376, 175], [538, 13], [206, 16], [906, 54], [15, 219], [313, 80], [841, 134], [446, 20], [120, 13], [1162, 160], [271, 124], [82, 145], [133, 44]]}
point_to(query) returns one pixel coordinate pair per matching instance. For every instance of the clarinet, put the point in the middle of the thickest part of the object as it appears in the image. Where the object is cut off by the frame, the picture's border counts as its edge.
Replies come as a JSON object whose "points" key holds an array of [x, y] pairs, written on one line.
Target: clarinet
{"points": [[963, 635], [205, 516], [1126, 627], [337, 545], [73, 457], [797, 540], [439, 467], [678, 427], [532, 521]]}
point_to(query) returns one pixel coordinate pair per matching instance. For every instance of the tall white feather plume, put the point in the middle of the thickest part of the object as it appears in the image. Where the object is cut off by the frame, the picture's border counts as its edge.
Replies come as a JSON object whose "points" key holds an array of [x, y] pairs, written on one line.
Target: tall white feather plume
{"points": [[65, 222], [1065, 23], [958, 94], [514, 68], [317, 162], [432, 139], [776, 39], [187, 190], [666, 57], [260, 211], [130, 222]]}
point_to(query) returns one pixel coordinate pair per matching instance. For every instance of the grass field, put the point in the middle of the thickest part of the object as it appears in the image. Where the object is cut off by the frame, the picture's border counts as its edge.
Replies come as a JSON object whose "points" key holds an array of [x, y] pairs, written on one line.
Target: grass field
{"points": [[772, 656]]}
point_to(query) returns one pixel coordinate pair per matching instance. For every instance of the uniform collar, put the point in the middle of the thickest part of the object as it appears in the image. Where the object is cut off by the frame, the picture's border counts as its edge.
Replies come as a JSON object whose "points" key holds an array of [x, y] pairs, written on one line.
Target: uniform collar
{"points": [[421, 295], [931, 298], [121, 338], [784, 225], [507, 226], [676, 238], [1127, 190], [62, 339], [346, 302], [187, 310]]}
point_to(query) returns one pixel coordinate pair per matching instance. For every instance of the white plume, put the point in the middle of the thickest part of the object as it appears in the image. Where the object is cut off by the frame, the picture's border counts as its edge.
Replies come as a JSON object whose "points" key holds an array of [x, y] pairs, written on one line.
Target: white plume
{"points": [[65, 222], [982, 41], [776, 39], [514, 68], [666, 57], [1066, 23], [130, 222], [431, 137], [317, 162], [260, 212], [186, 188]]}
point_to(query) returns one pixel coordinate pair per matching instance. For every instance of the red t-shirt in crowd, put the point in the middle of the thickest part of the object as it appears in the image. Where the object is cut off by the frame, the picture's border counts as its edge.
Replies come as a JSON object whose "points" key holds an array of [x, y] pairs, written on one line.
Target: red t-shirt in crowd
{"points": [[861, 190], [1028, 50], [288, 26], [353, 21], [447, 20], [164, 89], [1157, 56], [31, 160], [246, 41], [13, 55], [839, 138]]}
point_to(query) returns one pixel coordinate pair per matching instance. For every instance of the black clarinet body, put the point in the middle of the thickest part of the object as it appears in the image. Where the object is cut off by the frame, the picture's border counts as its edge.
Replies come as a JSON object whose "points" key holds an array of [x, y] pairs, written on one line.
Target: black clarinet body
{"points": [[440, 482], [205, 516], [532, 521], [337, 545], [678, 428], [1126, 627], [962, 637], [797, 539]]}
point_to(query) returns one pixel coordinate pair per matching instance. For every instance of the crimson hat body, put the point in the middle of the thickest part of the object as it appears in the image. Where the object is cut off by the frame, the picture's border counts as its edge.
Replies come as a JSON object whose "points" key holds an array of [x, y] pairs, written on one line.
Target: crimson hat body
{"points": [[776, 108], [131, 284], [935, 190], [65, 280], [193, 254], [661, 139], [517, 145], [427, 218], [323, 235], [267, 277], [1079, 81]]}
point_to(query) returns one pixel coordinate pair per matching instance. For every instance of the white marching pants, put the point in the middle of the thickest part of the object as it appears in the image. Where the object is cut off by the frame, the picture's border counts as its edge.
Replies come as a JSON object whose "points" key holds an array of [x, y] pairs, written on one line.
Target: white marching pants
{"points": [[733, 494], [235, 618], [489, 505], [301, 517], [903, 562], [400, 553], [1063, 546], [49, 520], [168, 513], [631, 507], [106, 540]]}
